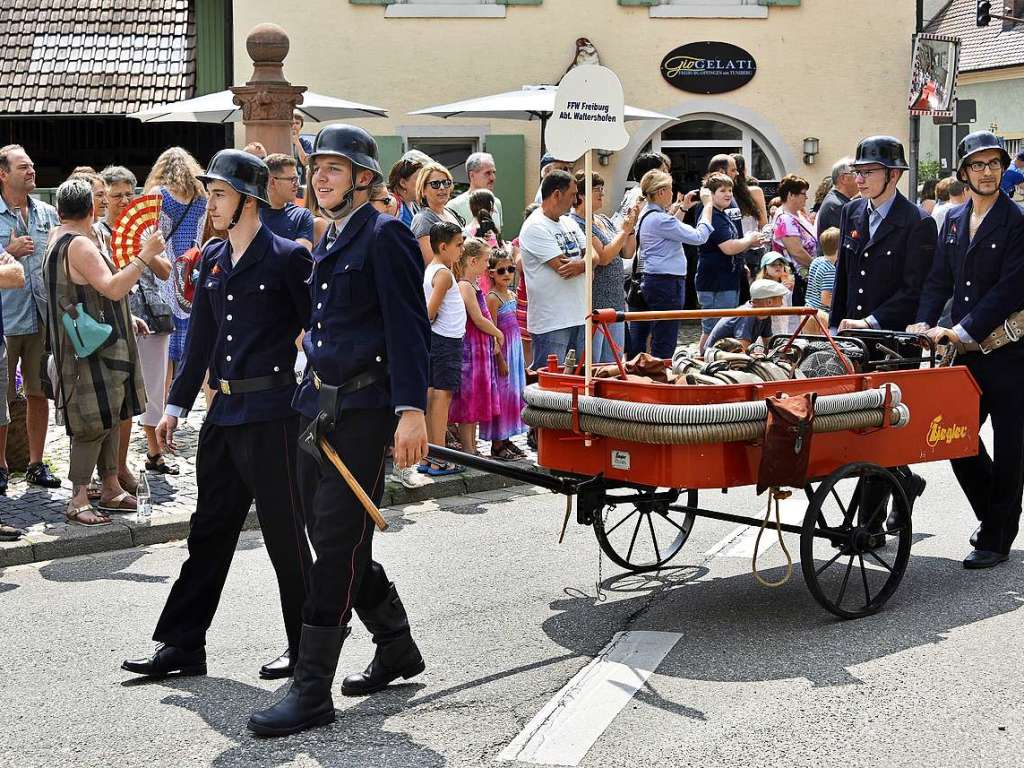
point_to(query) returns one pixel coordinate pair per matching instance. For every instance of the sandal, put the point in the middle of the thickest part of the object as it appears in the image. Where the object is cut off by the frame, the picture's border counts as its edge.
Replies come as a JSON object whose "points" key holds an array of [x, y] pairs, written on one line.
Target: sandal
{"points": [[440, 470], [505, 452], [93, 491], [519, 452], [73, 515], [157, 464], [123, 502]]}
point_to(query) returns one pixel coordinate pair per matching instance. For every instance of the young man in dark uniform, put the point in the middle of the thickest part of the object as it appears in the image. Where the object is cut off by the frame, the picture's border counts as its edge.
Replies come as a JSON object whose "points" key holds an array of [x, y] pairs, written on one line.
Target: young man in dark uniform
{"points": [[980, 266], [886, 245], [368, 348], [250, 303]]}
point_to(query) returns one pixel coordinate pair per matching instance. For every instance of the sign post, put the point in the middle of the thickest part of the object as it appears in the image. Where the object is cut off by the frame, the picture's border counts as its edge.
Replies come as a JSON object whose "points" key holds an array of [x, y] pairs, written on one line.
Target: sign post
{"points": [[589, 115]]}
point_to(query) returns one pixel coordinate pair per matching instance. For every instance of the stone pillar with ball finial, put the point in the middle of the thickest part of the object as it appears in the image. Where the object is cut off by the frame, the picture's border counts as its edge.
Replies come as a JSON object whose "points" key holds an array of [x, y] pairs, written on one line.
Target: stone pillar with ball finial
{"points": [[268, 100]]}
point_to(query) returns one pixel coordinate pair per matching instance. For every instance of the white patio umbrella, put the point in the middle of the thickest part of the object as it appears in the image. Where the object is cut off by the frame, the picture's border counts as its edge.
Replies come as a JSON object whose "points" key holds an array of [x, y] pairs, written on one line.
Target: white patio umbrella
{"points": [[531, 102], [219, 108]]}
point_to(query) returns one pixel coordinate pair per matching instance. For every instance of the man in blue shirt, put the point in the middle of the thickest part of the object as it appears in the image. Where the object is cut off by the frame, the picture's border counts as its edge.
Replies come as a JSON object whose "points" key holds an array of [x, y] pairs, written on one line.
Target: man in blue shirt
{"points": [[11, 276], [1013, 175], [25, 225], [283, 217]]}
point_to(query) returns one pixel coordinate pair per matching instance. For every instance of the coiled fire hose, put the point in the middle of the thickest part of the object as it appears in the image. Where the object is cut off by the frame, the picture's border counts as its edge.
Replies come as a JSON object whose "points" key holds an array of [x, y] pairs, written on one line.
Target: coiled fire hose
{"points": [[711, 413], [695, 434]]}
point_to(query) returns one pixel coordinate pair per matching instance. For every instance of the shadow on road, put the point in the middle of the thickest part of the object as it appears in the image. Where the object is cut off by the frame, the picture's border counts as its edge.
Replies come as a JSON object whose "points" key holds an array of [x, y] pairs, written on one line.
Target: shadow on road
{"points": [[733, 630], [357, 738], [109, 567]]}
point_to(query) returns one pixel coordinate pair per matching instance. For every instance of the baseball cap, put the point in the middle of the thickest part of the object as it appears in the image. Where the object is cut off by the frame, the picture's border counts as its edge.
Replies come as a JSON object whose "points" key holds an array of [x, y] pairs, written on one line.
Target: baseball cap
{"points": [[767, 289], [771, 257]]}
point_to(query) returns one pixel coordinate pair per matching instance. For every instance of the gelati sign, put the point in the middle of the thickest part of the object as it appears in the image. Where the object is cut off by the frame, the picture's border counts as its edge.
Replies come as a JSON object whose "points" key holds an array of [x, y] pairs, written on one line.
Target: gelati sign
{"points": [[708, 67]]}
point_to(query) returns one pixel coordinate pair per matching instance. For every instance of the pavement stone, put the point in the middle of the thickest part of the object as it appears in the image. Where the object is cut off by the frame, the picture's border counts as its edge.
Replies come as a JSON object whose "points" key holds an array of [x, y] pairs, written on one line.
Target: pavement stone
{"points": [[40, 511]]}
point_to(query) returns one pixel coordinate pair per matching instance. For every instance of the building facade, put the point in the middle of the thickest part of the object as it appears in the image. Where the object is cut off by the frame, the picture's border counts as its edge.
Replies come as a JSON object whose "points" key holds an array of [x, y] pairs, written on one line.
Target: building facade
{"points": [[827, 70]]}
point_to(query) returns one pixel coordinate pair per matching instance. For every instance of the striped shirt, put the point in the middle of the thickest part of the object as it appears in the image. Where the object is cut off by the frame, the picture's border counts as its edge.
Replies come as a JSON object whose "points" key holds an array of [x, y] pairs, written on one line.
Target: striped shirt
{"points": [[821, 277]]}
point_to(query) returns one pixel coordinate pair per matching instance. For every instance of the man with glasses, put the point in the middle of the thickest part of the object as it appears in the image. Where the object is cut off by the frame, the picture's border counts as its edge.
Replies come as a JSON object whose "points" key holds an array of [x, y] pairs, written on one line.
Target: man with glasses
{"points": [[844, 189], [284, 218], [885, 247], [979, 267], [886, 244]]}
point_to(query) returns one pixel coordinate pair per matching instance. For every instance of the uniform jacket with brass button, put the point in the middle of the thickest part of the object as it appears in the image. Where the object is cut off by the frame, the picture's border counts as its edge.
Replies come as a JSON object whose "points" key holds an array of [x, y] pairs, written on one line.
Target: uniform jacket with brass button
{"points": [[368, 310], [984, 276], [881, 276], [245, 319]]}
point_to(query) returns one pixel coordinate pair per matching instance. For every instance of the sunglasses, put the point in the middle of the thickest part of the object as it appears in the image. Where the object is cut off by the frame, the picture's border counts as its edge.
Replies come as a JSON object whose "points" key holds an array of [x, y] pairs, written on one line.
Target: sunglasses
{"points": [[503, 270], [440, 183], [384, 200]]}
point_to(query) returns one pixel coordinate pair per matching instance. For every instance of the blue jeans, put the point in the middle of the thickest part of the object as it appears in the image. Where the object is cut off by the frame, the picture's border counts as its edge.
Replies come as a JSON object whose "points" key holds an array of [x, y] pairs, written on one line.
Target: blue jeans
{"points": [[602, 349], [557, 343], [716, 300], [661, 292]]}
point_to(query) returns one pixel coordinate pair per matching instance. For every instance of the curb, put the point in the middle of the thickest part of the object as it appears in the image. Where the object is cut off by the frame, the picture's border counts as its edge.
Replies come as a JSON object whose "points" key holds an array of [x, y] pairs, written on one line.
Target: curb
{"points": [[60, 541]]}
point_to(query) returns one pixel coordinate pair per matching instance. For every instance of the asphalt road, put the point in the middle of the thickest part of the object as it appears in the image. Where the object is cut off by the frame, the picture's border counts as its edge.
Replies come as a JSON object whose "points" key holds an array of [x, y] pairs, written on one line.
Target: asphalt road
{"points": [[505, 616]]}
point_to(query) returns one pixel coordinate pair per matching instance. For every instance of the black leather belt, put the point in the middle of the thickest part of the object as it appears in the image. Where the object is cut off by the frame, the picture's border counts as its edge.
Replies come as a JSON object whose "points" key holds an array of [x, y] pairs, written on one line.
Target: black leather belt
{"points": [[255, 384], [354, 384]]}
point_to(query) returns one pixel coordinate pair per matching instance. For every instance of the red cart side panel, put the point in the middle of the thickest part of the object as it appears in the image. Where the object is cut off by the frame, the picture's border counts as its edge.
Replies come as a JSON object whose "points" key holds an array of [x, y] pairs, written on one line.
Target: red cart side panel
{"points": [[943, 425]]}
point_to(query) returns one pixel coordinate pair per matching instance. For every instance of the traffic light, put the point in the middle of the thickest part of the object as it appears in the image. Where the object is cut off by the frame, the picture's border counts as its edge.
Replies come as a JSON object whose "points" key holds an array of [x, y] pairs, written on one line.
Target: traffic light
{"points": [[984, 15]]}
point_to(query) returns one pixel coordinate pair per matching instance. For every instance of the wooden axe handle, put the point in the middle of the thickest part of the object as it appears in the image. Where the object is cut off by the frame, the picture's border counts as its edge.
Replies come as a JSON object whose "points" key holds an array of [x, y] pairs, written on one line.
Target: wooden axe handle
{"points": [[353, 484]]}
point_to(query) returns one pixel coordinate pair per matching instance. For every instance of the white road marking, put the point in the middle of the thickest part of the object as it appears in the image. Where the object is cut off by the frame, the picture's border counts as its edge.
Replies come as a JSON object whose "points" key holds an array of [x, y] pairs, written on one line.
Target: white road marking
{"points": [[740, 541], [566, 728]]}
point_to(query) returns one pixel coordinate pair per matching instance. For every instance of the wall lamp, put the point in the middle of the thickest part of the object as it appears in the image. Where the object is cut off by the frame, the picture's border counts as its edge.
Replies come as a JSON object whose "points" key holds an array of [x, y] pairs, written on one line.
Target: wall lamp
{"points": [[810, 150]]}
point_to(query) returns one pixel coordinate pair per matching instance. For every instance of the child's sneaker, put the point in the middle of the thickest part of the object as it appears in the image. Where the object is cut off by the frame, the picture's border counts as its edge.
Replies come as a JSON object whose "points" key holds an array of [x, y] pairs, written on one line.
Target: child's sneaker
{"points": [[409, 477]]}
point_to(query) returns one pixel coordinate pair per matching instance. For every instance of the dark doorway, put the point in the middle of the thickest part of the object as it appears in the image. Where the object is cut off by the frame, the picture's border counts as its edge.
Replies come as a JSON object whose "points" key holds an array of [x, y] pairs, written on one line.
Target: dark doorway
{"points": [[58, 144]]}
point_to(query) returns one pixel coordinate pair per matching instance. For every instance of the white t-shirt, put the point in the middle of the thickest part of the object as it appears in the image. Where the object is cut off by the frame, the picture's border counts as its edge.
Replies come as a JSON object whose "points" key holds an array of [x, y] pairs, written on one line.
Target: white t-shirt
{"points": [[555, 302], [451, 315]]}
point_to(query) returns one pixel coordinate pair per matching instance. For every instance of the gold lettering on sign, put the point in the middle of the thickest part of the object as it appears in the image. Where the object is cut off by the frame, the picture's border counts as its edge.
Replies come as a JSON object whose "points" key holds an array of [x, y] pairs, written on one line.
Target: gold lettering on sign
{"points": [[937, 433]]}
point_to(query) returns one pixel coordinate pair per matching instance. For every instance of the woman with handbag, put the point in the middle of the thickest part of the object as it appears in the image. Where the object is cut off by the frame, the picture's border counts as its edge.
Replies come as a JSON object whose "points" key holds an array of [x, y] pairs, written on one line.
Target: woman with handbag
{"points": [[183, 209], [99, 375]]}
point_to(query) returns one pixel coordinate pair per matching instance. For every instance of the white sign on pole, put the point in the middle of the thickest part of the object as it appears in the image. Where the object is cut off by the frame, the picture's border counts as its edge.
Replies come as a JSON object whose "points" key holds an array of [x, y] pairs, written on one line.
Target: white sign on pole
{"points": [[588, 113]]}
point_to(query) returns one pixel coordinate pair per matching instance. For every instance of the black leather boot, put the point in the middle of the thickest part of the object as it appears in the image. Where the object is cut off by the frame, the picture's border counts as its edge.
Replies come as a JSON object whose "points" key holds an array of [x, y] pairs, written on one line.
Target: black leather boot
{"points": [[167, 660], [308, 702], [913, 486], [282, 666], [396, 655]]}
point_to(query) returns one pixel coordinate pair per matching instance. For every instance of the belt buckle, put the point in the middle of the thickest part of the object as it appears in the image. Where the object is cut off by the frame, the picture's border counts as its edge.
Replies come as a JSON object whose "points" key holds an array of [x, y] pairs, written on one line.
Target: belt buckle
{"points": [[225, 386], [1011, 331], [316, 381]]}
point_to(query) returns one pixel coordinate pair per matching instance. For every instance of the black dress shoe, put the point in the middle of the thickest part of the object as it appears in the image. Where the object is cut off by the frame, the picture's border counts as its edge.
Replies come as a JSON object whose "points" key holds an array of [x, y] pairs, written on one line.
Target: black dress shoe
{"points": [[282, 666], [39, 474], [167, 660], [983, 558], [396, 655], [308, 702], [974, 537]]}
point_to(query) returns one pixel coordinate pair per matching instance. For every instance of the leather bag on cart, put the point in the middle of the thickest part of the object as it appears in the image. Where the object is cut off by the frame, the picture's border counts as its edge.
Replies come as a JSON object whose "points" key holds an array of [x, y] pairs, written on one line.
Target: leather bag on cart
{"points": [[787, 442]]}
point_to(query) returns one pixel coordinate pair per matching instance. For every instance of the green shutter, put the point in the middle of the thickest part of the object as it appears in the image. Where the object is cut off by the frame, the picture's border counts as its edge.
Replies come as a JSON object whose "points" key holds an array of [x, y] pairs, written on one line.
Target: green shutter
{"points": [[778, 2], [211, 33], [372, 2], [520, 2], [639, 2], [389, 149], [509, 152]]}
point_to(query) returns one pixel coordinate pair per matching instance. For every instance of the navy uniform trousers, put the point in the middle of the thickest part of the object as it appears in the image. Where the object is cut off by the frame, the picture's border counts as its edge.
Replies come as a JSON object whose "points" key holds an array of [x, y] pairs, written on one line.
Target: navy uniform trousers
{"points": [[993, 483], [339, 528], [234, 466]]}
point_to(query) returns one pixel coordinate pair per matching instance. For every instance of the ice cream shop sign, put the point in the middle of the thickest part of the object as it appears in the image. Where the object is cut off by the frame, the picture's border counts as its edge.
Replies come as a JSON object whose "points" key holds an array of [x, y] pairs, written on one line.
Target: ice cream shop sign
{"points": [[708, 67]]}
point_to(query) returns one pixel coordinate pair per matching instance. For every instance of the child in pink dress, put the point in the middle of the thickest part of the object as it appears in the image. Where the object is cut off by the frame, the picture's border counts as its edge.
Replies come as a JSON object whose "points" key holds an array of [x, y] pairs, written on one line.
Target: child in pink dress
{"points": [[507, 421], [477, 398]]}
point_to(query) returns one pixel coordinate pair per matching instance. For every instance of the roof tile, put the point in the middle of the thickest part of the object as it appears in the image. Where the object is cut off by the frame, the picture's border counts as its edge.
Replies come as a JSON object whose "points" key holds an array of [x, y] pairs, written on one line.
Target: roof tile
{"points": [[980, 47], [106, 57]]}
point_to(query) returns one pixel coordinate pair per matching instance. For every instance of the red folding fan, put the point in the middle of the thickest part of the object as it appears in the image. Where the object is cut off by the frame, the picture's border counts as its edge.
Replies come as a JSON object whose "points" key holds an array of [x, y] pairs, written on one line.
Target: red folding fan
{"points": [[140, 220]]}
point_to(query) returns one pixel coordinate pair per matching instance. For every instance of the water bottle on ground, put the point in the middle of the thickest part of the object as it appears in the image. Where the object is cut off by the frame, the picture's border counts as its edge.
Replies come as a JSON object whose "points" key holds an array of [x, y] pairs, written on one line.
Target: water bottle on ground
{"points": [[143, 497]]}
